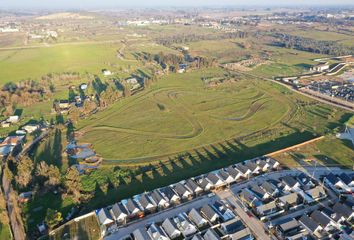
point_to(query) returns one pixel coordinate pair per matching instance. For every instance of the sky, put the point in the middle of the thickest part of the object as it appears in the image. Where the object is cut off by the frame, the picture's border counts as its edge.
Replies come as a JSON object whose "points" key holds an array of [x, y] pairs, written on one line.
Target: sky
{"points": [[86, 4]]}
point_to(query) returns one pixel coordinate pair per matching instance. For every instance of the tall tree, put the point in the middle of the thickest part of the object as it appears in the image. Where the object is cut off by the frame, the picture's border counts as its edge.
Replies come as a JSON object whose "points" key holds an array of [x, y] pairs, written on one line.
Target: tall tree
{"points": [[72, 183], [24, 171]]}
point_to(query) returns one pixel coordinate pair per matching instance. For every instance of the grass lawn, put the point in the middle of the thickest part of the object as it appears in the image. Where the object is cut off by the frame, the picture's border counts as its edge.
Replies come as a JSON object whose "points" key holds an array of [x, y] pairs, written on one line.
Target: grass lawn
{"points": [[86, 229], [329, 151], [5, 231]]}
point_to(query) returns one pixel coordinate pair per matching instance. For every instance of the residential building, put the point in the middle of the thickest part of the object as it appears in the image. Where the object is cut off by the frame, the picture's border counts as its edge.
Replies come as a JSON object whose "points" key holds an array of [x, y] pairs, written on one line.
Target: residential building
{"points": [[147, 203], [141, 234], [270, 188], [288, 227], [197, 219], [171, 195], [157, 233], [211, 235], [232, 225], [243, 234], [267, 209], [193, 186], [209, 213], [159, 199], [184, 225], [170, 228], [259, 192], [249, 198], [312, 226], [317, 193], [182, 191], [224, 212], [119, 213], [246, 173], [290, 184], [215, 180], [326, 223], [291, 201]]}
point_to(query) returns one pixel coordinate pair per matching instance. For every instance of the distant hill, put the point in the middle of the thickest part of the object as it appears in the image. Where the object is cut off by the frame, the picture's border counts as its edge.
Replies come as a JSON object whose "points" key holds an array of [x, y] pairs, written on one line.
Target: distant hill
{"points": [[64, 15]]}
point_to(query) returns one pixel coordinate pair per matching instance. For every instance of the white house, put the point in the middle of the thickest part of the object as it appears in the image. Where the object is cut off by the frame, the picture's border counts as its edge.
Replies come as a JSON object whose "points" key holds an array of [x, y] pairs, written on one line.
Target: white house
{"points": [[30, 128], [13, 119], [106, 72]]}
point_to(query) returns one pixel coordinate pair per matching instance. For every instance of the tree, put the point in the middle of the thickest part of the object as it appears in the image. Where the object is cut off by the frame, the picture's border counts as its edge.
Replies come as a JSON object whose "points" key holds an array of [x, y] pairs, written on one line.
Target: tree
{"points": [[72, 183], [74, 114], [24, 172], [53, 218], [50, 175]]}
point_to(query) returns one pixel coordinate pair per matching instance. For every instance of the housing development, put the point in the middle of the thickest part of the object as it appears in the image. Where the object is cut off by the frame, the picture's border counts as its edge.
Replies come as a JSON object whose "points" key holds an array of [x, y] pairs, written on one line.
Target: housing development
{"points": [[161, 120]]}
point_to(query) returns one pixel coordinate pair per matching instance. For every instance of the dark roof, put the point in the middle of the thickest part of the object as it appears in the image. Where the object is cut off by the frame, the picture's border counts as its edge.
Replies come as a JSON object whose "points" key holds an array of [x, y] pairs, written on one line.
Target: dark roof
{"points": [[145, 200], [232, 171], [304, 179], [262, 163], [213, 178], [289, 180], [292, 198], [204, 182], [132, 205], [169, 226], [308, 223], [209, 212], [257, 190], [141, 234], [241, 168], [251, 165], [192, 185], [223, 175], [180, 189], [156, 232], [157, 196], [118, 209], [211, 235], [345, 178], [268, 187], [196, 217], [232, 225], [342, 209], [332, 178], [169, 192], [320, 218], [104, 216]]}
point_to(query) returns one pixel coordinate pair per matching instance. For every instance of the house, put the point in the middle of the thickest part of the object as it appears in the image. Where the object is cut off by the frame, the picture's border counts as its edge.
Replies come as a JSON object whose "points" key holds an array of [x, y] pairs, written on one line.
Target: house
{"points": [[192, 185], [147, 203], [255, 169], [270, 188], [263, 165], [291, 201], [182, 191], [132, 81], [323, 220], [336, 183], [267, 209], [182, 68], [197, 219], [312, 226], [205, 184], [290, 184], [63, 104], [249, 198], [215, 180], [246, 173], [211, 235], [234, 173], [306, 181], [288, 227], [224, 212], [30, 128], [209, 213], [232, 226], [13, 119], [226, 177], [141, 234], [347, 179], [106, 72], [171, 195], [159, 199], [184, 225], [6, 150], [273, 163], [119, 213], [83, 86], [157, 233], [317, 193], [320, 67], [133, 208], [105, 219], [13, 141], [197, 237], [259, 192], [244, 234], [170, 228], [343, 210]]}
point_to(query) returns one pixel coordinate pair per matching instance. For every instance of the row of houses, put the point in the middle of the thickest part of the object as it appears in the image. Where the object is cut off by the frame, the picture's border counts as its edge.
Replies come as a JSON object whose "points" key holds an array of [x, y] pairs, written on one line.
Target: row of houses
{"points": [[212, 221], [333, 221], [143, 204], [274, 197]]}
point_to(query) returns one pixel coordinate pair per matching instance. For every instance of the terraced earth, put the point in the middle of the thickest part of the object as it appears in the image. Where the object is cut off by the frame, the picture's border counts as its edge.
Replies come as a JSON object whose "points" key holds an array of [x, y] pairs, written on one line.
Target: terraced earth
{"points": [[179, 113]]}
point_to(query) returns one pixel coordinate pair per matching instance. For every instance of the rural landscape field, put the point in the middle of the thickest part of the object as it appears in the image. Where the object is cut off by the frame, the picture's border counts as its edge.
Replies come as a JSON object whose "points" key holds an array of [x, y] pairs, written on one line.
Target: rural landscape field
{"points": [[103, 105]]}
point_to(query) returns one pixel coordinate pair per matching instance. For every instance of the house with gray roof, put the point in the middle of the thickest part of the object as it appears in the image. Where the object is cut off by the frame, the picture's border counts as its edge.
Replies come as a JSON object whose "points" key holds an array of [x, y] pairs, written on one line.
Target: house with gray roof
{"points": [[132, 207], [157, 233], [119, 213], [326, 223], [232, 226], [251, 165], [243, 234], [159, 199], [197, 237], [289, 227], [205, 184], [245, 171], [259, 192], [171, 195], [141, 234], [270, 188], [105, 219], [263, 165], [197, 219], [270, 208], [223, 211], [290, 184], [273, 163], [312, 226], [306, 181], [169, 226], [194, 187], [226, 177], [234, 173], [184, 225], [343, 210], [215, 180], [249, 198], [209, 213], [147, 203], [182, 191], [317, 193], [291, 201], [211, 235]]}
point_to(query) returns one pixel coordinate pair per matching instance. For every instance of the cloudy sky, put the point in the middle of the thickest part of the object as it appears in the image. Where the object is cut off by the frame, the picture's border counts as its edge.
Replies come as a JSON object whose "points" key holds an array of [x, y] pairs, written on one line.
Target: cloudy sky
{"points": [[155, 3]]}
